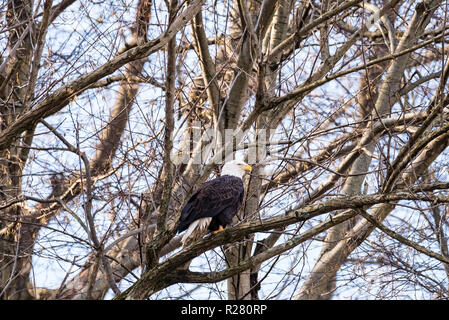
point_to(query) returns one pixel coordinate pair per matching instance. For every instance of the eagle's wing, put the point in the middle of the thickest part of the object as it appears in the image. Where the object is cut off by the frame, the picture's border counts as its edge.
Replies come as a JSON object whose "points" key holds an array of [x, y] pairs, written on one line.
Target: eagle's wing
{"points": [[212, 198]]}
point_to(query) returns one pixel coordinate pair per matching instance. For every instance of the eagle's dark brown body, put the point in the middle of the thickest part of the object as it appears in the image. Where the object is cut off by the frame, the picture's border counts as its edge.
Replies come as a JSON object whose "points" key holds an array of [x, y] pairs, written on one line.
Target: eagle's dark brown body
{"points": [[219, 199]]}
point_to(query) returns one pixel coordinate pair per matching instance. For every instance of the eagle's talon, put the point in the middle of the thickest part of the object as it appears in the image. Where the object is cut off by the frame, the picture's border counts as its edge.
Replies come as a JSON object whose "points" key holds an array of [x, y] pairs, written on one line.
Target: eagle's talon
{"points": [[220, 229]]}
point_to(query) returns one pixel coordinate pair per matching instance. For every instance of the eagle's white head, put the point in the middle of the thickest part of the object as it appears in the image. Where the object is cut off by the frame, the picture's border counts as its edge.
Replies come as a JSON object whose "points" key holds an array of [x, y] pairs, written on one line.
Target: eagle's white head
{"points": [[235, 168]]}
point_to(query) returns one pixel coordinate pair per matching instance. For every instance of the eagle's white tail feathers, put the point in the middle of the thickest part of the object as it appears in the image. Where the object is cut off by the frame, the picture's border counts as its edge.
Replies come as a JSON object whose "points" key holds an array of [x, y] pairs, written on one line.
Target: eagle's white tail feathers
{"points": [[196, 229]]}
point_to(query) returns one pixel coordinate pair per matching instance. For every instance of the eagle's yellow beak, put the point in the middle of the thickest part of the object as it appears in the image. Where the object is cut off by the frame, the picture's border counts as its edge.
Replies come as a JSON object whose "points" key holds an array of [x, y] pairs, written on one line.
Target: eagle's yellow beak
{"points": [[248, 168]]}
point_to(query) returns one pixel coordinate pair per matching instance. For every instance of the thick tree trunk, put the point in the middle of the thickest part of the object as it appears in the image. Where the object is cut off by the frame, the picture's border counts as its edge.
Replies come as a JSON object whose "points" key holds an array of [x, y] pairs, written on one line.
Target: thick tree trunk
{"points": [[15, 238], [243, 285]]}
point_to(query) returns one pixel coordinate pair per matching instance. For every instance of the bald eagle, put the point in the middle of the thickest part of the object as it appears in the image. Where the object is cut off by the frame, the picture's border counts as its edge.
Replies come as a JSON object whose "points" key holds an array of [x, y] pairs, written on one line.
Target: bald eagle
{"points": [[215, 203]]}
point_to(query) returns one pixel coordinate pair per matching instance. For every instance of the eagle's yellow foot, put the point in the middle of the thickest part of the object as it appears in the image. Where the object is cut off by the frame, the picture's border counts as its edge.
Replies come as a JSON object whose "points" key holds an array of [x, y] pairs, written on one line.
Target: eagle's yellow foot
{"points": [[220, 229]]}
